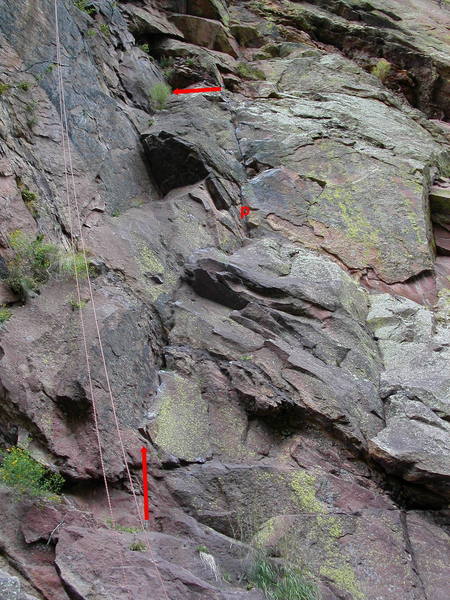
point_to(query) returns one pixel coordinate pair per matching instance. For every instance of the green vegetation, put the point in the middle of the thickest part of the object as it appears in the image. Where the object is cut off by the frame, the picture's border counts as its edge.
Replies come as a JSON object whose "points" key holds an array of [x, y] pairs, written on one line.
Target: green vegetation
{"points": [[382, 69], [104, 28], [5, 314], [167, 65], [30, 109], [138, 547], [115, 213], [145, 48], [4, 87], [118, 527], [27, 476], [159, 95], [91, 32], [344, 578], [281, 582], [75, 304], [24, 85], [85, 6], [29, 199], [35, 261], [248, 72], [202, 549]]}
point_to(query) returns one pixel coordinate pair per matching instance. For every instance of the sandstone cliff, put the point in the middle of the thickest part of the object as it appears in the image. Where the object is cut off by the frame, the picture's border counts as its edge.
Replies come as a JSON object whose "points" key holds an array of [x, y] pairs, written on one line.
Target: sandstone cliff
{"points": [[289, 372]]}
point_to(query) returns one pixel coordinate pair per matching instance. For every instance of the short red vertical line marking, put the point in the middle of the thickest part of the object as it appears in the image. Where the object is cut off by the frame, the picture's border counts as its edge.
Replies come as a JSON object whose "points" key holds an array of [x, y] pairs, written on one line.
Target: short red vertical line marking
{"points": [[145, 483]]}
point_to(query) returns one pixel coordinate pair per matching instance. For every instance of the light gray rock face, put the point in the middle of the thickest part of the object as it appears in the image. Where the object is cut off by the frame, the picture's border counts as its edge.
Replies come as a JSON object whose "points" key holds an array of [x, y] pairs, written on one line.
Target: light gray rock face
{"points": [[287, 371], [416, 387], [10, 588]]}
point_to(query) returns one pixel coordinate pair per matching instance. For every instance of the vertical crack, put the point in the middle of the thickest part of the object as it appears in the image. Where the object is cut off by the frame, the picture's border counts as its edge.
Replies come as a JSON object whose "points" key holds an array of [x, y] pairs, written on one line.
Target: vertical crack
{"points": [[410, 551]]}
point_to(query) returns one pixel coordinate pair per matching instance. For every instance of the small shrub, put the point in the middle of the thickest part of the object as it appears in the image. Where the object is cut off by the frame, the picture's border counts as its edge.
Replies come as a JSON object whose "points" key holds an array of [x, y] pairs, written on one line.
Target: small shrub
{"points": [[28, 196], [159, 95], [85, 6], [27, 476], [145, 48], [24, 85], [4, 87], [91, 32], [138, 547], [5, 314], [382, 69], [115, 213], [248, 72]]}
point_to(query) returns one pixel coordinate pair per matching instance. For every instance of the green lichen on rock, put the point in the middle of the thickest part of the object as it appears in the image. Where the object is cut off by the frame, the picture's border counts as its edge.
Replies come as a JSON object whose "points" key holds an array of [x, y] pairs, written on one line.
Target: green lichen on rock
{"points": [[344, 577], [149, 261], [182, 420], [303, 487]]}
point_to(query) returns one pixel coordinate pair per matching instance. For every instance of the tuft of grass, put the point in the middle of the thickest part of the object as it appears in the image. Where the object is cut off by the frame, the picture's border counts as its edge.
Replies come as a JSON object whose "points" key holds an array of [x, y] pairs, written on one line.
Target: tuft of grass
{"points": [[382, 69], [91, 32], [4, 87], [27, 476], [138, 547], [281, 583], [5, 314], [24, 85], [159, 95], [248, 72], [145, 48]]}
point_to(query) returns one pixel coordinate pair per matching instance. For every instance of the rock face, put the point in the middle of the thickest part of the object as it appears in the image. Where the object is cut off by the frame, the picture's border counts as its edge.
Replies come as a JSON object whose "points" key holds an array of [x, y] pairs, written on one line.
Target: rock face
{"points": [[289, 371]]}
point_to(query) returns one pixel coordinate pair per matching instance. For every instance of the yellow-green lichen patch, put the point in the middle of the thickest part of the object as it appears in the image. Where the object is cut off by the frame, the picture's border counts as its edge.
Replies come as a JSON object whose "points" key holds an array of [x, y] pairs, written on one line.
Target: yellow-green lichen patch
{"points": [[149, 261], [150, 265], [182, 427], [344, 578], [303, 488], [331, 525]]}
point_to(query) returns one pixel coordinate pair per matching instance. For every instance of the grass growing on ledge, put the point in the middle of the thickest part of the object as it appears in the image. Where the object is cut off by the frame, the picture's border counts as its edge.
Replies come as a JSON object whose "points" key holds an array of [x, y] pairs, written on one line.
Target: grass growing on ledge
{"points": [[159, 95], [382, 69], [281, 583], [28, 477], [35, 261]]}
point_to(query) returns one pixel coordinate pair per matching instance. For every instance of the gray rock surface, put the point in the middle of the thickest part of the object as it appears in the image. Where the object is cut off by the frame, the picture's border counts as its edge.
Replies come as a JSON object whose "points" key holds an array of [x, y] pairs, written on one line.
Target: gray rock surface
{"points": [[287, 371]]}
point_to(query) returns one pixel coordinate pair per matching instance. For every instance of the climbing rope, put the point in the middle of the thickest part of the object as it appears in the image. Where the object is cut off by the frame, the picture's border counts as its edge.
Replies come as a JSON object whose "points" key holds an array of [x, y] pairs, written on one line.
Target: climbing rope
{"points": [[68, 168]]}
